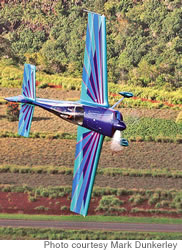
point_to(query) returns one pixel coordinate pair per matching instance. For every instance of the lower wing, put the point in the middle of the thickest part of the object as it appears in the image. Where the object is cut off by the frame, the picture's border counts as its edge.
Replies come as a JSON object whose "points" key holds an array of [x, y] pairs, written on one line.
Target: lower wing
{"points": [[88, 149]]}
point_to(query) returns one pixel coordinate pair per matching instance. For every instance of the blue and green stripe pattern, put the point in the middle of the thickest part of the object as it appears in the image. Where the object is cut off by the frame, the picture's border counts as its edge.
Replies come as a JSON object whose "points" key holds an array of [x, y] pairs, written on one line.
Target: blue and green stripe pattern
{"points": [[88, 148], [94, 78]]}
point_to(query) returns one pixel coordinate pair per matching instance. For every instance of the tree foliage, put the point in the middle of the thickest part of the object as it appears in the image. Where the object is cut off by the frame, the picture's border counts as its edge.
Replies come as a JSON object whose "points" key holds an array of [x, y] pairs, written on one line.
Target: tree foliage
{"points": [[144, 38]]}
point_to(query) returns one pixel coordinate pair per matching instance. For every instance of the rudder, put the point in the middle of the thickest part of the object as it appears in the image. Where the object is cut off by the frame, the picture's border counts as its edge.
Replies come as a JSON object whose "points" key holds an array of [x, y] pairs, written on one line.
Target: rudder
{"points": [[29, 92]]}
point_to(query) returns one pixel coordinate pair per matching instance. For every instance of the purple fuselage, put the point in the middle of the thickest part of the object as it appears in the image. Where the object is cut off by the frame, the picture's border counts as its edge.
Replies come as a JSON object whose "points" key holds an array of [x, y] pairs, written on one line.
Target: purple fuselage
{"points": [[100, 119], [97, 118]]}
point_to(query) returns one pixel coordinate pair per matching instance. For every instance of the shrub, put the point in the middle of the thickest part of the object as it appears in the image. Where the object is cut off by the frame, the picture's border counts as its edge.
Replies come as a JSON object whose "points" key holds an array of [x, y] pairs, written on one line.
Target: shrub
{"points": [[137, 199], [6, 189], [12, 111], [154, 199], [32, 198], [45, 193], [122, 191], [110, 203], [162, 204], [64, 208], [42, 208]]}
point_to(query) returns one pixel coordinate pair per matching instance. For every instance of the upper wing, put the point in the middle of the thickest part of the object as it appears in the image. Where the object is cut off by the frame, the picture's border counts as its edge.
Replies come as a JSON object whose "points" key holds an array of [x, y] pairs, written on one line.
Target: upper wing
{"points": [[94, 78], [88, 148]]}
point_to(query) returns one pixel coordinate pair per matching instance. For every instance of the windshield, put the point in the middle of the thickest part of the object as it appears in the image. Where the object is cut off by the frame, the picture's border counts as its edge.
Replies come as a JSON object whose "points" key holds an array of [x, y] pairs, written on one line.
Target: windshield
{"points": [[118, 116], [74, 114]]}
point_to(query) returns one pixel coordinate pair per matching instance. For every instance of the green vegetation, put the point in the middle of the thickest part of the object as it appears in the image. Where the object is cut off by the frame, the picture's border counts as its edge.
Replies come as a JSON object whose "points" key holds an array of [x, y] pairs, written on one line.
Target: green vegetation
{"points": [[11, 76], [51, 192], [143, 38], [42, 135], [93, 218], [41, 208], [110, 204], [152, 129], [137, 199], [58, 234]]}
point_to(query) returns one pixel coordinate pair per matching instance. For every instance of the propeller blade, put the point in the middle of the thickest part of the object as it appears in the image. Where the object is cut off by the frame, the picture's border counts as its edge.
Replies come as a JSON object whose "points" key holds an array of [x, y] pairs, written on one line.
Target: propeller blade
{"points": [[115, 143]]}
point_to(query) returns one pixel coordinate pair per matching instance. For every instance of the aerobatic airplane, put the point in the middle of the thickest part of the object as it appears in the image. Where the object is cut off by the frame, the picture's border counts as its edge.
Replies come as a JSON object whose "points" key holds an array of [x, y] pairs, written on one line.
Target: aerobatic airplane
{"points": [[92, 113]]}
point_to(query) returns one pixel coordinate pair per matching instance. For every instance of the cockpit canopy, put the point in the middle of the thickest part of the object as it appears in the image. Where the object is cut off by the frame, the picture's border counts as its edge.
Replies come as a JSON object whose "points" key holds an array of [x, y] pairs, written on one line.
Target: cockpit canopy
{"points": [[71, 113]]}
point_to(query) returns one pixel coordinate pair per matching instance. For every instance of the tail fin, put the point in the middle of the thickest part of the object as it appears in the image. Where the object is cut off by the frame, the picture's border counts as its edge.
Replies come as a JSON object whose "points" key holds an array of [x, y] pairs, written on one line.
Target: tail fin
{"points": [[28, 88], [28, 91]]}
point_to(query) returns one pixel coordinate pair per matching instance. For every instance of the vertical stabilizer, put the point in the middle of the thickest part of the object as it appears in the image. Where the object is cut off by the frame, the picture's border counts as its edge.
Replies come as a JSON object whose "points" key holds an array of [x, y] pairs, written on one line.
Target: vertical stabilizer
{"points": [[28, 91]]}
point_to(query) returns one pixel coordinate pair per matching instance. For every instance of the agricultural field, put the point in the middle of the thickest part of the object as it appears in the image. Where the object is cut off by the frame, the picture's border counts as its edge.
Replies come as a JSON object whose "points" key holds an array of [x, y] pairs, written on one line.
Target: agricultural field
{"points": [[143, 179]]}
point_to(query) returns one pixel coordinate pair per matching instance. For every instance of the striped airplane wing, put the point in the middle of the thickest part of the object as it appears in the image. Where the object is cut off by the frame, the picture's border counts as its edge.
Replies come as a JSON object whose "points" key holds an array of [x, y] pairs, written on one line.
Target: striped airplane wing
{"points": [[94, 78], [88, 149]]}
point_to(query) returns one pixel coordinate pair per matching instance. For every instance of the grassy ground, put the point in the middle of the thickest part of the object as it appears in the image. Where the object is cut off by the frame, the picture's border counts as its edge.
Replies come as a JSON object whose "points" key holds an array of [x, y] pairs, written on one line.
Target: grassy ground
{"points": [[56, 234], [97, 218]]}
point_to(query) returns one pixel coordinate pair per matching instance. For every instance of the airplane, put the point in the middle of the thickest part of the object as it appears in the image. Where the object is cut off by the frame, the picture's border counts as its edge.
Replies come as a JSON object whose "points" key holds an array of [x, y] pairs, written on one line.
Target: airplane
{"points": [[92, 113]]}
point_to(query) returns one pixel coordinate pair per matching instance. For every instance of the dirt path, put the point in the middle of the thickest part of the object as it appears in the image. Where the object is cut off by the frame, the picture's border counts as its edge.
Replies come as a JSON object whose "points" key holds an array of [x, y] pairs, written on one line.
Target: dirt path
{"points": [[137, 227]]}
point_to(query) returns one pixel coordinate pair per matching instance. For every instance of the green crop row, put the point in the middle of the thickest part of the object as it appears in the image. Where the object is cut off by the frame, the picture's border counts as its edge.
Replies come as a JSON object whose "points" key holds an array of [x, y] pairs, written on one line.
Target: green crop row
{"points": [[42, 135], [152, 172], [51, 192], [35, 169], [156, 211], [10, 233], [132, 135], [97, 191]]}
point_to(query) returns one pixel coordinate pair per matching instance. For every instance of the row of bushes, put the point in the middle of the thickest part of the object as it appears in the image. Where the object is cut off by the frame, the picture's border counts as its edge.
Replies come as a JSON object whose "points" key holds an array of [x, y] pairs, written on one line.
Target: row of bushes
{"points": [[11, 233], [156, 211], [97, 191], [162, 200], [43, 208], [131, 138], [41, 135], [110, 204], [33, 193], [153, 172]]}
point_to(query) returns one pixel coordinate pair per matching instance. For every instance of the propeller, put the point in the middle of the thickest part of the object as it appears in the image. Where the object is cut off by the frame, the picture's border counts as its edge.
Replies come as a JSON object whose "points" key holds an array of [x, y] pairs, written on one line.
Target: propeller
{"points": [[116, 140]]}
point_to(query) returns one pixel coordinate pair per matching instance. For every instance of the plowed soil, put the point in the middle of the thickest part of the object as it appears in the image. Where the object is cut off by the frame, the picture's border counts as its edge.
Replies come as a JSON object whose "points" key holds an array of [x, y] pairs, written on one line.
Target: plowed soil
{"points": [[59, 152]]}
